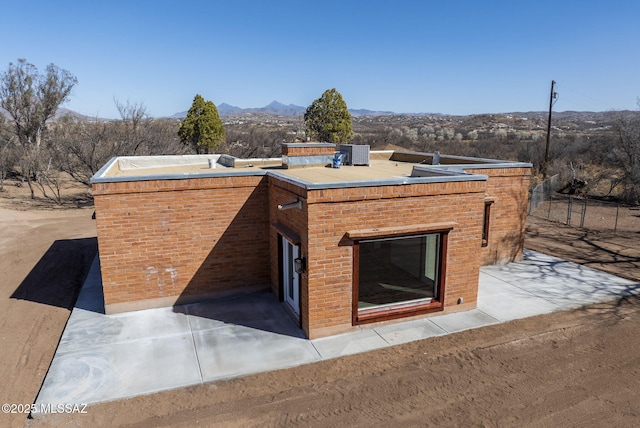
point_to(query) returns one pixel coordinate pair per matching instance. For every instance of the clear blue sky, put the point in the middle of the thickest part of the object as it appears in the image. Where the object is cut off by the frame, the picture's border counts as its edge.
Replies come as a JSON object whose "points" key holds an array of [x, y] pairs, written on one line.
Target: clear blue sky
{"points": [[455, 57]]}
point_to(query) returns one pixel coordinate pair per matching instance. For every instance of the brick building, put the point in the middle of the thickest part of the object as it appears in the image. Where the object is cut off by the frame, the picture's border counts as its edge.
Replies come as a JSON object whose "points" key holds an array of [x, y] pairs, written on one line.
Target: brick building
{"points": [[387, 235]]}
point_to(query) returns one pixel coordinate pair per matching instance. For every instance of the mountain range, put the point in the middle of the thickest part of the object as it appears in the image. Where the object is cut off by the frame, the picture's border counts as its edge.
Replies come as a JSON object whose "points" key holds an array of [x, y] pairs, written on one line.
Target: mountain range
{"points": [[278, 109]]}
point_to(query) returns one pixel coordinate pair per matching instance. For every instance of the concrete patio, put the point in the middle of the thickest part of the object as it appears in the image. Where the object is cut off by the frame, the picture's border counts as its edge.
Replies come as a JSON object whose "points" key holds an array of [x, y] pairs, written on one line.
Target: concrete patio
{"points": [[110, 357]]}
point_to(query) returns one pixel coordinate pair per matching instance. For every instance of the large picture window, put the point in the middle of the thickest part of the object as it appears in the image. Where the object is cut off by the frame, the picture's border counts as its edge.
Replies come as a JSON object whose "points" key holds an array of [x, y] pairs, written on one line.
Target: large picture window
{"points": [[398, 276]]}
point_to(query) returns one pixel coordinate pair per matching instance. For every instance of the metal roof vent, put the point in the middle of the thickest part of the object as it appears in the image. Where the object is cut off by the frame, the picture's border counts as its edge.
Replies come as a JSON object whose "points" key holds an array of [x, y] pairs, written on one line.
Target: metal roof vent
{"points": [[436, 158], [355, 154]]}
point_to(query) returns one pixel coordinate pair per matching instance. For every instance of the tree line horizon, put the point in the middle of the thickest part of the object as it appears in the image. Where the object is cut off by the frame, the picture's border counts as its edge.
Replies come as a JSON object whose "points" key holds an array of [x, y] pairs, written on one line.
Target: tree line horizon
{"points": [[39, 152]]}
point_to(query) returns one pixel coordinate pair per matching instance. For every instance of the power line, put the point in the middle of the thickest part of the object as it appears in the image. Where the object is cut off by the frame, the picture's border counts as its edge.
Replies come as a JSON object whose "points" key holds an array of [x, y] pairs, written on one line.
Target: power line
{"points": [[565, 88]]}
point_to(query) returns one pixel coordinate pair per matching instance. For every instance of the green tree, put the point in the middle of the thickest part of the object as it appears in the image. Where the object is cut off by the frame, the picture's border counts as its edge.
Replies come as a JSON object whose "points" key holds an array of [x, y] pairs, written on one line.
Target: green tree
{"points": [[202, 128], [328, 119], [31, 99]]}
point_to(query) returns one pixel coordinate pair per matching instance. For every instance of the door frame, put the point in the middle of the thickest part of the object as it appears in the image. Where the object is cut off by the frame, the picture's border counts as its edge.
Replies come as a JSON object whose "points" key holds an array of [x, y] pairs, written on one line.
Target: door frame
{"points": [[290, 278]]}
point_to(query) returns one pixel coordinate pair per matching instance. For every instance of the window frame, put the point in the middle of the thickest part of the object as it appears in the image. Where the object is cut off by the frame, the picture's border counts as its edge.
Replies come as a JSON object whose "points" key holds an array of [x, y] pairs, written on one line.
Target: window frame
{"points": [[486, 222], [406, 309]]}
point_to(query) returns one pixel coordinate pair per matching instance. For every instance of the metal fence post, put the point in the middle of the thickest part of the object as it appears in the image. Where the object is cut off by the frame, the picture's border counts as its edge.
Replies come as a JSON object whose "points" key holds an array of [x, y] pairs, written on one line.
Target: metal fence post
{"points": [[615, 228], [584, 212], [549, 211], [569, 208]]}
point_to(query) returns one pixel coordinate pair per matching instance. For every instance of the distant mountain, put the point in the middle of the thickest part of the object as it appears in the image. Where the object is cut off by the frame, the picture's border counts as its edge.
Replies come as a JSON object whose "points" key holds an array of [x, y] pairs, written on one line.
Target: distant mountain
{"points": [[225, 109], [66, 112], [61, 112], [280, 109], [276, 108], [365, 112]]}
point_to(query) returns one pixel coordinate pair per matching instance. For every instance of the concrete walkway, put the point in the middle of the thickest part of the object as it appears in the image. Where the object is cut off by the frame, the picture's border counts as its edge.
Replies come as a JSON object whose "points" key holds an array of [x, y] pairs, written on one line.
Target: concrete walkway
{"points": [[110, 357]]}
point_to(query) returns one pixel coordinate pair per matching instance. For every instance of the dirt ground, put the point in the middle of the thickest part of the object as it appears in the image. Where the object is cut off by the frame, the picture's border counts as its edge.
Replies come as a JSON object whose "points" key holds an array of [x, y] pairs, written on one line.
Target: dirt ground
{"points": [[618, 254], [574, 368], [44, 256], [591, 214]]}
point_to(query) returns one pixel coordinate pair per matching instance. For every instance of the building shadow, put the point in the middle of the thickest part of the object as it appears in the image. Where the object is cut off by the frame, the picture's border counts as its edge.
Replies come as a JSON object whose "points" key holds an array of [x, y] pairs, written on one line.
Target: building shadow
{"points": [[238, 261], [229, 316], [58, 276], [511, 245], [232, 286]]}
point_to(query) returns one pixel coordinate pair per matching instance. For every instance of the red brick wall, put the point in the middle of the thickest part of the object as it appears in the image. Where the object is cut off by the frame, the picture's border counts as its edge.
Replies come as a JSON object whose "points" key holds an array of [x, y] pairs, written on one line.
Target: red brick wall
{"points": [[168, 240], [333, 212], [293, 221], [163, 241], [508, 188], [311, 150]]}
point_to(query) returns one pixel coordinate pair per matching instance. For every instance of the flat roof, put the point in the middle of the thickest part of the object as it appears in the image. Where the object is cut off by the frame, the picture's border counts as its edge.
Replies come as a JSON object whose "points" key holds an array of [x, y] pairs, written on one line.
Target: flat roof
{"points": [[385, 168]]}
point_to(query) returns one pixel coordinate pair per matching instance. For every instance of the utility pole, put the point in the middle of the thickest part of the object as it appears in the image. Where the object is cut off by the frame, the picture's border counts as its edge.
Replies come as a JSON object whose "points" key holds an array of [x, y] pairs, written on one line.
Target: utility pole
{"points": [[546, 150]]}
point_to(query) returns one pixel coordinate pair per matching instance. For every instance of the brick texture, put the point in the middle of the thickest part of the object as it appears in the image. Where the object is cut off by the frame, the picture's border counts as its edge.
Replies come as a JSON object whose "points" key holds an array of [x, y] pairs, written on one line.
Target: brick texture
{"points": [[310, 150], [190, 239], [508, 189], [330, 253], [182, 238]]}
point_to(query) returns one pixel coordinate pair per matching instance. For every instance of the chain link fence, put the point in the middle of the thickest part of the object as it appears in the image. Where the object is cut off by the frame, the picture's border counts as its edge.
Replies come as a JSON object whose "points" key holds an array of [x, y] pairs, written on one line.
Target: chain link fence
{"points": [[543, 191], [579, 211]]}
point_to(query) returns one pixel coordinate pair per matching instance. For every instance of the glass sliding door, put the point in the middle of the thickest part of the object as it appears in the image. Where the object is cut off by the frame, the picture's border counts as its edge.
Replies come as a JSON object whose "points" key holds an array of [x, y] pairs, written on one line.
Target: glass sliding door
{"points": [[291, 279]]}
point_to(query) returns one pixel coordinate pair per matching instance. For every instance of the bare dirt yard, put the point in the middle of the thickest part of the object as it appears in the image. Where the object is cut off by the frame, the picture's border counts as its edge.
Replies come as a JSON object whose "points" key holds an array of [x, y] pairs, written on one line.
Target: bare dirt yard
{"points": [[618, 254], [44, 253], [574, 368]]}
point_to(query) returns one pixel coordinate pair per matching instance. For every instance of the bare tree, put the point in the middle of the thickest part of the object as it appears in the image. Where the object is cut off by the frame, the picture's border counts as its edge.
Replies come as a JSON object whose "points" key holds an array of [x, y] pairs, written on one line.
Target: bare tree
{"points": [[133, 117], [84, 146], [142, 135], [626, 152], [7, 156], [49, 179], [501, 134], [31, 99], [449, 133]]}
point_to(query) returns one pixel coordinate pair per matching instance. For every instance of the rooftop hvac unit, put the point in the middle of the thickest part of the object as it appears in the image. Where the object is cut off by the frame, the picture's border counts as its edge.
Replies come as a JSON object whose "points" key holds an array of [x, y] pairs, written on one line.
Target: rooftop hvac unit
{"points": [[355, 154]]}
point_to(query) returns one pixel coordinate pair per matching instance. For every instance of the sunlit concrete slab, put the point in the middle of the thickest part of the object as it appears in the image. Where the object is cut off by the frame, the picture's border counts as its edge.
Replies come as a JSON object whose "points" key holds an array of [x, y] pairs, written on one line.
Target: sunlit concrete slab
{"points": [[121, 370], [460, 321], [86, 329], [409, 331], [349, 343], [503, 301], [236, 350], [565, 284]]}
